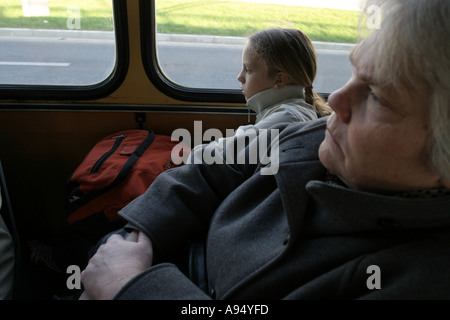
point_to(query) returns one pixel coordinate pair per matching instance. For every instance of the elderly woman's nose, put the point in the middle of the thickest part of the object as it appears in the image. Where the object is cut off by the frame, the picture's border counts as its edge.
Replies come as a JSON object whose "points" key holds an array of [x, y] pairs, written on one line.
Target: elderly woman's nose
{"points": [[341, 102]]}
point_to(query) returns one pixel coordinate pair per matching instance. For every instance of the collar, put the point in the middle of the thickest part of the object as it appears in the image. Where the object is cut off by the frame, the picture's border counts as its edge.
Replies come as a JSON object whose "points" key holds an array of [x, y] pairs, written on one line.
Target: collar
{"points": [[417, 194], [264, 99], [363, 211]]}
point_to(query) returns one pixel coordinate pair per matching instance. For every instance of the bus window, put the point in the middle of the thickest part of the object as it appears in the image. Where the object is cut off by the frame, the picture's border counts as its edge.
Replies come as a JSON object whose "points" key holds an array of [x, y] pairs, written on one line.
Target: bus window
{"points": [[57, 43], [199, 43]]}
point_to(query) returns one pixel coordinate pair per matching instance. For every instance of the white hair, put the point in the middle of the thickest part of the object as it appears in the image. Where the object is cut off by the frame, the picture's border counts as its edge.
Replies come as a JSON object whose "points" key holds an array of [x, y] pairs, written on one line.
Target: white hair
{"points": [[413, 50]]}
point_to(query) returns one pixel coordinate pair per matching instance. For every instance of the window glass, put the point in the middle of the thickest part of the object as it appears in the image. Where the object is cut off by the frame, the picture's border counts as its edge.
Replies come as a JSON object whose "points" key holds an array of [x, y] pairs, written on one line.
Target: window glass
{"points": [[56, 42], [200, 42]]}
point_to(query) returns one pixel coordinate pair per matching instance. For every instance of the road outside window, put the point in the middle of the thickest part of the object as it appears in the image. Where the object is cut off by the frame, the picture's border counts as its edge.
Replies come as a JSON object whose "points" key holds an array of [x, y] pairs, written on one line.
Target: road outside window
{"points": [[56, 42]]}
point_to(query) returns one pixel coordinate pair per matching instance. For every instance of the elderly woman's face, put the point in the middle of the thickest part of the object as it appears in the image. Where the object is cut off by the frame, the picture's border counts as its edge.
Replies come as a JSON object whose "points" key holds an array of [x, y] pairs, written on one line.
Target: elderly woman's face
{"points": [[376, 139]]}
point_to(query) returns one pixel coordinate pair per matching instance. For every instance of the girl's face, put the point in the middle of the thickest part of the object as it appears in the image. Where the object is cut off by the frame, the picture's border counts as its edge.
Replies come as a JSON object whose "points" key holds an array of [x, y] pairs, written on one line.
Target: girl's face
{"points": [[254, 75]]}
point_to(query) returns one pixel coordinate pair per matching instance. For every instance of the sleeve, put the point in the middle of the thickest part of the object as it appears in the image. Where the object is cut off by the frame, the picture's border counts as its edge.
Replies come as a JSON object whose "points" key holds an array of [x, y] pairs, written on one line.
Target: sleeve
{"points": [[166, 282], [178, 206], [177, 209]]}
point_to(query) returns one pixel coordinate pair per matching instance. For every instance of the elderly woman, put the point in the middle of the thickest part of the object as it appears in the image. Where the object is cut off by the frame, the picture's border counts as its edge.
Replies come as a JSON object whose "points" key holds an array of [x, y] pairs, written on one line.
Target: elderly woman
{"points": [[357, 210]]}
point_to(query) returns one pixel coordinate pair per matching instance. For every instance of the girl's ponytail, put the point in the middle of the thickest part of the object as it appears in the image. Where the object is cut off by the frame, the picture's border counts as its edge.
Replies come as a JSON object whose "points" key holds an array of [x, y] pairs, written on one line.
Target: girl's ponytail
{"points": [[318, 103]]}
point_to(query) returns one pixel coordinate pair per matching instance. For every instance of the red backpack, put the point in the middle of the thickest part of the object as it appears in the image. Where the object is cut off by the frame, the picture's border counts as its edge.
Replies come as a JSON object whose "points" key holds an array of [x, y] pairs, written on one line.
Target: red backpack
{"points": [[119, 168]]}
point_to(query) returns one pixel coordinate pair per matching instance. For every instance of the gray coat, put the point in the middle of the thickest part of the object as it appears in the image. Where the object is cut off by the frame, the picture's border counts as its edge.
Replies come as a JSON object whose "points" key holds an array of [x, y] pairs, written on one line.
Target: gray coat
{"points": [[292, 235]]}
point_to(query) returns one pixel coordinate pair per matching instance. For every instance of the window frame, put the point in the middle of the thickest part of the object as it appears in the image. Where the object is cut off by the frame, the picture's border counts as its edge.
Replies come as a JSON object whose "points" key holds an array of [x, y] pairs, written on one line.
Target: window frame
{"points": [[156, 75], [82, 92]]}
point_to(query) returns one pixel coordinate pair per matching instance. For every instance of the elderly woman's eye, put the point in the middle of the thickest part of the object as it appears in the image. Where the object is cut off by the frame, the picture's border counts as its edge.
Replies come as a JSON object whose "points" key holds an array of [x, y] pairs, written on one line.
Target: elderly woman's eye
{"points": [[376, 99]]}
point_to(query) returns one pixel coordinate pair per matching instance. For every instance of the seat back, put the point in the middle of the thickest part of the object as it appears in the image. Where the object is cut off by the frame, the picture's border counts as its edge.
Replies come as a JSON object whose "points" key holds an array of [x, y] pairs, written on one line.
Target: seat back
{"points": [[8, 221]]}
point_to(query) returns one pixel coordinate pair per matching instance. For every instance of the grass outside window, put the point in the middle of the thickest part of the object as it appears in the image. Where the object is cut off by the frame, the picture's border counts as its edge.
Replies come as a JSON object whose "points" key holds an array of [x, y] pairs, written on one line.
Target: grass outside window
{"points": [[207, 17]]}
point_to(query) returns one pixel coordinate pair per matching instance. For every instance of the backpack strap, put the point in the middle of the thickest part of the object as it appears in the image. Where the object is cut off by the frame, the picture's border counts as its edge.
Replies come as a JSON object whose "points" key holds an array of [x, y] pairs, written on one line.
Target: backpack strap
{"points": [[134, 157]]}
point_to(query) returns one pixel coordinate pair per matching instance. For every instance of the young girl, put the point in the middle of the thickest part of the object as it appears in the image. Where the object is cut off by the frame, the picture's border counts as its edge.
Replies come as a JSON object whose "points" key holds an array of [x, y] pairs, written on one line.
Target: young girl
{"points": [[278, 70]]}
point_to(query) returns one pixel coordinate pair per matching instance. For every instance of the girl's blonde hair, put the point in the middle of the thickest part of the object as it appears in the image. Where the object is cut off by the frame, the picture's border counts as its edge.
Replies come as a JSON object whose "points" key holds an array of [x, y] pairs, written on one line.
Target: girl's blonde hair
{"points": [[290, 51]]}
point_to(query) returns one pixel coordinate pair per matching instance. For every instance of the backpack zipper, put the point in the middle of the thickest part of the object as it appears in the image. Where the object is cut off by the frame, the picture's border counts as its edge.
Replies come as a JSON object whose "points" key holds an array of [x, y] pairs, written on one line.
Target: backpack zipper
{"points": [[104, 157]]}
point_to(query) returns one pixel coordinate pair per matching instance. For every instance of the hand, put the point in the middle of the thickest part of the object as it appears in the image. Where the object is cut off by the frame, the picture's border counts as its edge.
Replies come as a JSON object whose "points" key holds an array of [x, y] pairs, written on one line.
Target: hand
{"points": [[114, 264]]}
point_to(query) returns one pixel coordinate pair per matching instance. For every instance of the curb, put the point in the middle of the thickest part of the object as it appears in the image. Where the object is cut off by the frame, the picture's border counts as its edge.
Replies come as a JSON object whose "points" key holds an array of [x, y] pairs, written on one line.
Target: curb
{"points": [[52, 33], [186, 38], [241, 41]]}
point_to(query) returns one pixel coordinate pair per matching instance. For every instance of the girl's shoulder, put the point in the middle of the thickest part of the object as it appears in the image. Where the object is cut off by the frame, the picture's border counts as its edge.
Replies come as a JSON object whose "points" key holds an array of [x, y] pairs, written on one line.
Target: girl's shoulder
{"points": [[296, 109]]}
